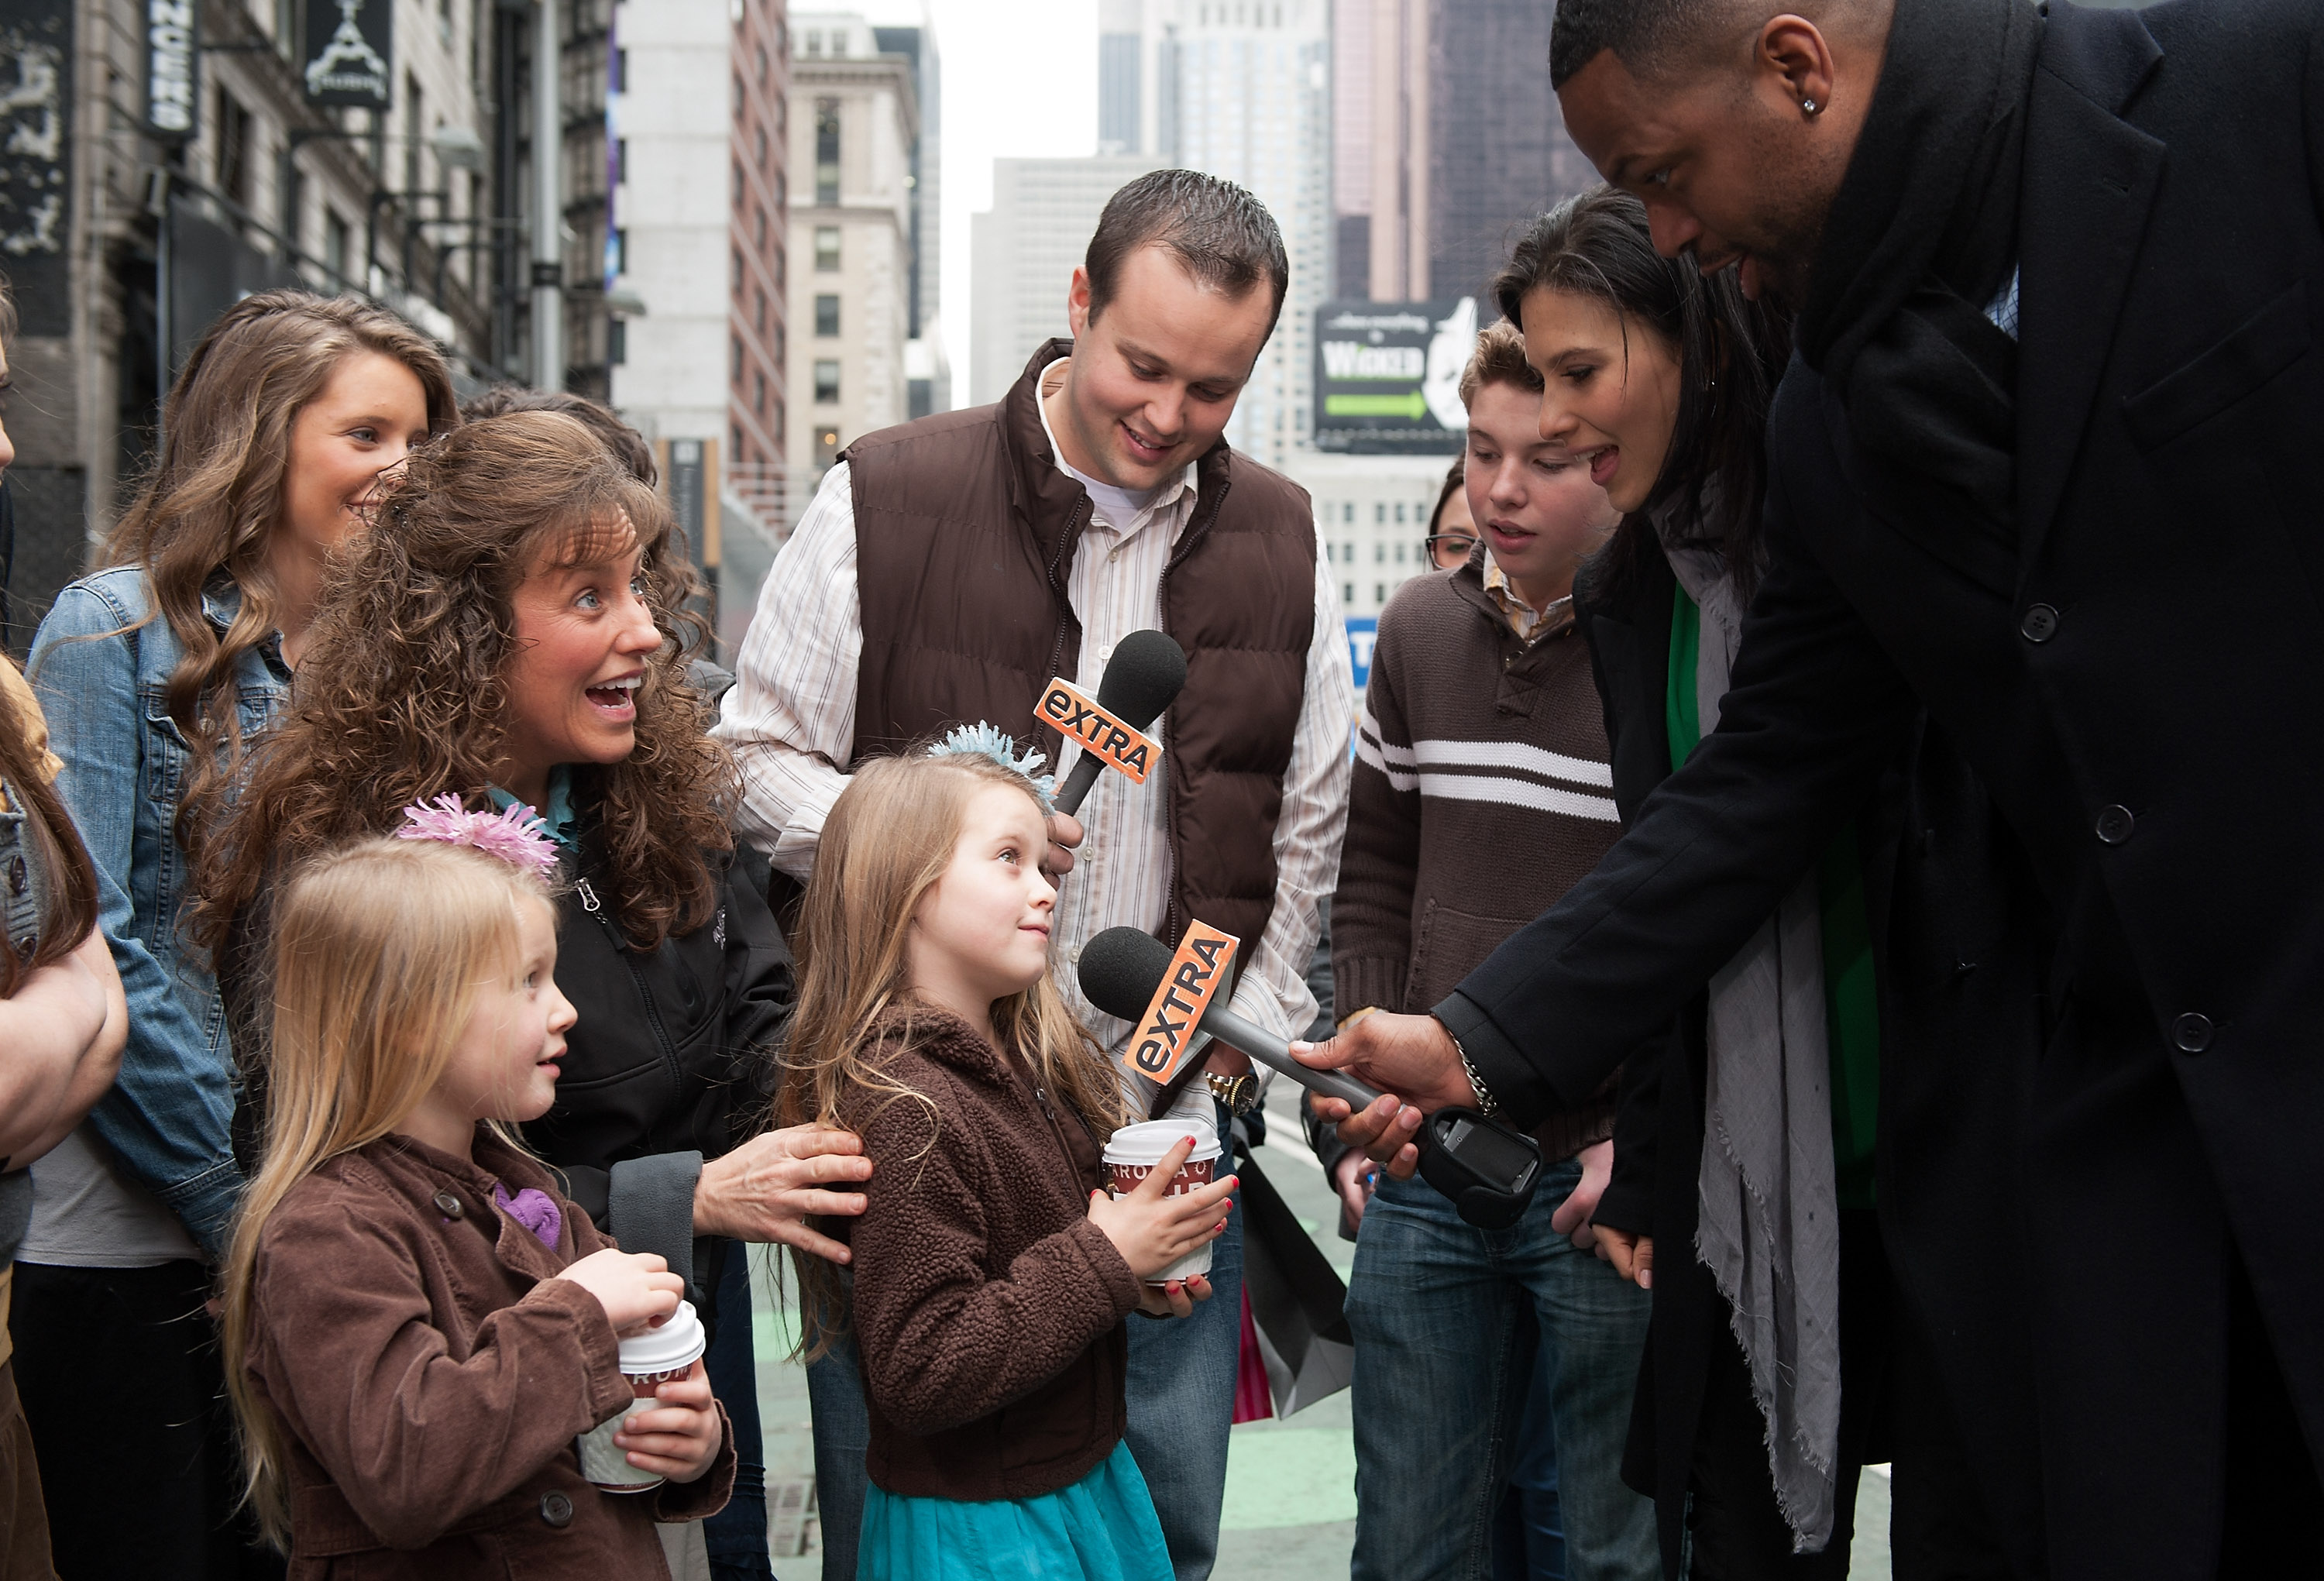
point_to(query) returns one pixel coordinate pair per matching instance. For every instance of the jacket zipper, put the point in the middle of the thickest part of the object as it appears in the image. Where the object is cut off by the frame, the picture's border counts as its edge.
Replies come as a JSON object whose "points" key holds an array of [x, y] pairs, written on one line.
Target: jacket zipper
{"points": [[596, 908]]}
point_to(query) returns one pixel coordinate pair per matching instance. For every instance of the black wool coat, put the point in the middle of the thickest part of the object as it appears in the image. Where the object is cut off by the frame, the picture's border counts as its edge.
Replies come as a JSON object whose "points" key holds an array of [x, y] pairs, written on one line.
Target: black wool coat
{"points": [[2140, 686], [1954, 919]]}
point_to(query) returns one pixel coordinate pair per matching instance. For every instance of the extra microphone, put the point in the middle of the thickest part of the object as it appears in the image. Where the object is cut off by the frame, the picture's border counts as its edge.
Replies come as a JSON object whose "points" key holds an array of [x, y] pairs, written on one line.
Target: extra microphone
{"points": [[1484, 1168], [1142, 678]]}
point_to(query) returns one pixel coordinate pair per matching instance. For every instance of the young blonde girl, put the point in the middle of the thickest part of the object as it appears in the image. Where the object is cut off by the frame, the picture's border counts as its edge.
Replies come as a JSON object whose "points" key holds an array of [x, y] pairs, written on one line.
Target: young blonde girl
{"points": [[993, 1274], [418, 1326]]}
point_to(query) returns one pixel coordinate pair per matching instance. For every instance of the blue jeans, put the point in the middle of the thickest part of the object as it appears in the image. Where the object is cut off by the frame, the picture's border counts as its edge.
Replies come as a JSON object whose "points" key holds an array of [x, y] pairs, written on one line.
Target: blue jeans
{"points": [[1182, 1384], [736, 1537], [1182, 1388], [1440, 1311]]}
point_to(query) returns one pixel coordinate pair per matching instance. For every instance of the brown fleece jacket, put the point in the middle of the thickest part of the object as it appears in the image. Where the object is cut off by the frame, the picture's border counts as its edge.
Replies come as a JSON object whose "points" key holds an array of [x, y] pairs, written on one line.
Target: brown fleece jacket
{"points": [[1481, 794], [988, 1307], [432, 1372]]}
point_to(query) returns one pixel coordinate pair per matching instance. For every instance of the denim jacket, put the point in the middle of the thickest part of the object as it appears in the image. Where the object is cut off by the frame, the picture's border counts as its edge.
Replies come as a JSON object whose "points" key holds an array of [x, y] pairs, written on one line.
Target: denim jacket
{"points": [[168, 1118]]}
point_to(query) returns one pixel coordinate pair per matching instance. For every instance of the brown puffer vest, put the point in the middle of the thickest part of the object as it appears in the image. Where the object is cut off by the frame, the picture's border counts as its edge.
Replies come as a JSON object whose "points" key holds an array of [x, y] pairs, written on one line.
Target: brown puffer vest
{"points": [[966, 532]]}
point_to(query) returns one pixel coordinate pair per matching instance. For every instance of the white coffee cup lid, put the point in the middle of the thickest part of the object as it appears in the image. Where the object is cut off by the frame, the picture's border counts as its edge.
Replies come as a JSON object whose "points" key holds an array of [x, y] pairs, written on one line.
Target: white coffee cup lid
{"points": [[677, 1343], [1147, 1141]]}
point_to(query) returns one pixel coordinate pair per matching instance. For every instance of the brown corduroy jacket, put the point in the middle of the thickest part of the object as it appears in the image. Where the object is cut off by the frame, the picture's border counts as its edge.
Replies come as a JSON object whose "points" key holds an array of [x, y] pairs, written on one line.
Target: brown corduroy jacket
{"points": [[988, 1307], [432, 1372]]}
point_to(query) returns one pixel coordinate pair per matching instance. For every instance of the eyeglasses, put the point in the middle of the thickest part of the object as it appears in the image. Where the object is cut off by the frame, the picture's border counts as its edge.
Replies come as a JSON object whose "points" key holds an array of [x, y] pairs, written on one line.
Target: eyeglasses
{"points": [[1458, 543]]}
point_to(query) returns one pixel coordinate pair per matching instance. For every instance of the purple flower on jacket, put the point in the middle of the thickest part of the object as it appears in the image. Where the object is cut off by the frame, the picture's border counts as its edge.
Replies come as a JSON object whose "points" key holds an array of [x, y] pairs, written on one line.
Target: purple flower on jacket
{"points": [[536, 1210]]}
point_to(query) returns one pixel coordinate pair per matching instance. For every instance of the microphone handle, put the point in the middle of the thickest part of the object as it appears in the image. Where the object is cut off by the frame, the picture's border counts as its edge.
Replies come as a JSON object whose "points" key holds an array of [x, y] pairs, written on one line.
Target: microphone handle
{"points": [[1267, 1049], [1077, 784]]}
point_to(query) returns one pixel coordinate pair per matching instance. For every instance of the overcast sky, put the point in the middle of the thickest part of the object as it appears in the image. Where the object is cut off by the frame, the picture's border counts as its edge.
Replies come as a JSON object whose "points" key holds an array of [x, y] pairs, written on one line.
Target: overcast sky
{"points": [[1019, 81]]}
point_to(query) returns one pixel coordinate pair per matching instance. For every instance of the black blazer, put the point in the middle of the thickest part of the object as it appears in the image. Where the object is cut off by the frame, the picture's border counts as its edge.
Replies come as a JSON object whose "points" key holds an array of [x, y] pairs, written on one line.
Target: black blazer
{"points": [[2140, 685]]}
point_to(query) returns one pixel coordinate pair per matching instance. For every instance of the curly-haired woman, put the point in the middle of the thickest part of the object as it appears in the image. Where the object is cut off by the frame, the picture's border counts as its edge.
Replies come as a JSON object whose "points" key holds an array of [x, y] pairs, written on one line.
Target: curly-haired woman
{"points": [[512, 630], [154, 673]]}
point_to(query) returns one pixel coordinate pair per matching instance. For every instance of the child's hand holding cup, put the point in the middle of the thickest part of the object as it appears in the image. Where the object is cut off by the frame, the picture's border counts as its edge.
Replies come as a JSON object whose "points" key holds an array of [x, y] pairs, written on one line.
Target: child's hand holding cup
{"points": [[635, 1451], [1164, 1209]]}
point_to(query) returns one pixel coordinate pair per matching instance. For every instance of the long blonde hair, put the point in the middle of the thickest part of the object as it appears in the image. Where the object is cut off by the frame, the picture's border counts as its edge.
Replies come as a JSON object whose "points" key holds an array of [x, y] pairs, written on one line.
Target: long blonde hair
{"points": [[888, 840], [380, 949]]}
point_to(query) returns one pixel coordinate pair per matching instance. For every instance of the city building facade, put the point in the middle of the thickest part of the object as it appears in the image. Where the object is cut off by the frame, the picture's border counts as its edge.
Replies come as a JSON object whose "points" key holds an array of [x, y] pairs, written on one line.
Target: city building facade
{"points": [[854, 130], [928, 366], [698, 269], [164, 158]]}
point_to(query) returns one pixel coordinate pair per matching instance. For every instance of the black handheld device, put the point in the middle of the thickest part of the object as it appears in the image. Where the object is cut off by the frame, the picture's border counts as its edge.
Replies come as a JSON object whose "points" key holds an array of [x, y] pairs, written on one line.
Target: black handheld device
{"points": [[1485, 1169], [1142, 678]]}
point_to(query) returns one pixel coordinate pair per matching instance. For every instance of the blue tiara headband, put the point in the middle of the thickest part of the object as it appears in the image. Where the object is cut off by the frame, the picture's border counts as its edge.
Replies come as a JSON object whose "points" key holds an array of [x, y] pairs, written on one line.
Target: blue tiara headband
{"points": [[981, 741]]}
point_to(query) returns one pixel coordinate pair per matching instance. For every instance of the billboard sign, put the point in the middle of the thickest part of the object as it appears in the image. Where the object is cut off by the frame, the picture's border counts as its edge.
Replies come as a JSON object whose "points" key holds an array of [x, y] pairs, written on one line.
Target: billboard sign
{"points": [[350, 52], [1387, 376], [172, 68]]}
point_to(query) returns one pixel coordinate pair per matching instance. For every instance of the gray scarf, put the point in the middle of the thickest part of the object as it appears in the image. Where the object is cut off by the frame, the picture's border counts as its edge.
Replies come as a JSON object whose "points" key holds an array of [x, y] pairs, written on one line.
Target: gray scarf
{"points": [[1769, 1223]]}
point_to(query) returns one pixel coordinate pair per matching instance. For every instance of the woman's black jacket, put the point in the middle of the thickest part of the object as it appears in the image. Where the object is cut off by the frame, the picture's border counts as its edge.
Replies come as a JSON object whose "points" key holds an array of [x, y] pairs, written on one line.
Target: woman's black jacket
{"points": [[1949, 900], [675, 1055]]}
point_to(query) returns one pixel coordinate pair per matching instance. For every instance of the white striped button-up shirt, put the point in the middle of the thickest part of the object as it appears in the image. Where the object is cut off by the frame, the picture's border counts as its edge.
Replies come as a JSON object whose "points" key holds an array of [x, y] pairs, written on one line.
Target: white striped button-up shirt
{"points": [[790, 722]]}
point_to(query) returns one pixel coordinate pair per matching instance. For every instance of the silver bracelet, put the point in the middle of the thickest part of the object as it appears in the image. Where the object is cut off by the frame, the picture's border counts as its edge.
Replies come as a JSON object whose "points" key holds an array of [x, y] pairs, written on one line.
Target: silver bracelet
{"points": [[1486, 1103]]}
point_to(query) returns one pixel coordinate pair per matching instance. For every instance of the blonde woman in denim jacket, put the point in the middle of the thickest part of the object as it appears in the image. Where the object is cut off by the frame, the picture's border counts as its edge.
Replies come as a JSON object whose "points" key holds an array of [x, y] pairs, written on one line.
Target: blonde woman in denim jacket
{"points": [[154, 672]]}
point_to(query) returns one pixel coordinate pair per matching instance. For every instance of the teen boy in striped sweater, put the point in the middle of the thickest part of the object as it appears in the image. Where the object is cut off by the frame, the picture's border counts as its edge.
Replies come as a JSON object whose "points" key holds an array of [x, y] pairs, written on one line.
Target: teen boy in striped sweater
{"points": [[1481, 792]]}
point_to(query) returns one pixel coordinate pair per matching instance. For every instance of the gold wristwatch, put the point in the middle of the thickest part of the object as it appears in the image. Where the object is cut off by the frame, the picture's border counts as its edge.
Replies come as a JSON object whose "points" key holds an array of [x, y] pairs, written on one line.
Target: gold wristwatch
{"points": [[1238, 1093]]}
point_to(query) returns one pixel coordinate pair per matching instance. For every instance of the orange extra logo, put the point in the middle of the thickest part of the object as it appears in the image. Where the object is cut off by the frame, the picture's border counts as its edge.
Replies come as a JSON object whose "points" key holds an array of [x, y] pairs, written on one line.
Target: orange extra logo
{"points": [[1075, 712], [1167, 1027]]}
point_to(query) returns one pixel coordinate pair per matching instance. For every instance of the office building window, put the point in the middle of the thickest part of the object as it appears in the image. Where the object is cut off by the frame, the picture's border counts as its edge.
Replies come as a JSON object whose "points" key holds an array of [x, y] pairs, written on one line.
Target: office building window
{"points": [[1347, 513], [734, 444], [1379, 554], [621, 160], [782, 349], [738, 271], [826, 380], [759, 311], [826, 448], [1399, 548], [617, 341], [827, 315], [736, 376], [737, 96], [413, 120], [758, 393], [1380, 592], [827, 248], [621, 250], [336, 235], [1379, 513], [737, 198], [1399, 513], [233, 149], [761, 146], [762, 65], [758, 232], [826, 151], [1348, 594], [782, 271]]}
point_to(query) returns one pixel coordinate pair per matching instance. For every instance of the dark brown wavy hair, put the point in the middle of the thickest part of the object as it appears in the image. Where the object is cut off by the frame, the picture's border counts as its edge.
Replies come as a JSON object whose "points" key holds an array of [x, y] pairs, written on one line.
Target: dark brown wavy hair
{"points": [[403, 692], [211, 502]]}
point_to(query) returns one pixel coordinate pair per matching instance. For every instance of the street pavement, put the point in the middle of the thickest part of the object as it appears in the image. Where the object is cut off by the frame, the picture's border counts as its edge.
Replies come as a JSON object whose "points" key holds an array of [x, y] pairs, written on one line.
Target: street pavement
{"points": [[1290, 1509]]}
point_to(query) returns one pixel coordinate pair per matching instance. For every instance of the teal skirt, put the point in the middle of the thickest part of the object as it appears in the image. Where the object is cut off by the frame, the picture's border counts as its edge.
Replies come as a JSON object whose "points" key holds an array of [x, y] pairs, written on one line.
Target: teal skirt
{"points": [[1102, 1528]]}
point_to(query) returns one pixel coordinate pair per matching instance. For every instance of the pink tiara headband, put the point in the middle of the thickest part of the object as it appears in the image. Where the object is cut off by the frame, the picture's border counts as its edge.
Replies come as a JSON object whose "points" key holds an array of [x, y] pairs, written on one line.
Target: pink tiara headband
{"points": [[515, 835]]}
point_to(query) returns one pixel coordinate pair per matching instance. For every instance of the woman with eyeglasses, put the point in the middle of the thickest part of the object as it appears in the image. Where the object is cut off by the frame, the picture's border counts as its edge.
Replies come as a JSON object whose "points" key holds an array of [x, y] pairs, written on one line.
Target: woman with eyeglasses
{"points": [[1452, 530]]}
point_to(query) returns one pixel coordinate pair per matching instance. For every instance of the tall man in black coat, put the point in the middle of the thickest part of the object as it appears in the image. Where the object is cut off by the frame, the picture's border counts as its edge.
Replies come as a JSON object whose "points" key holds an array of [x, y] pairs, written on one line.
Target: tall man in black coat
{"points": [[2048, 464]]}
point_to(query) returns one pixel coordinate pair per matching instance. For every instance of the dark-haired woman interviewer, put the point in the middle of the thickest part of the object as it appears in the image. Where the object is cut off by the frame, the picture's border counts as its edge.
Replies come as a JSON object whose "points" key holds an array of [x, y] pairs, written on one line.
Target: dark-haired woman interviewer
{"points": [[1787, 1348]]}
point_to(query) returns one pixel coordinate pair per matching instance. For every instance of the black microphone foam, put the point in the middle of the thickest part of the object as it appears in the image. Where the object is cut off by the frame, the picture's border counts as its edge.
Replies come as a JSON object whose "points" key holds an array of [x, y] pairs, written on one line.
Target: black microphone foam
{"points": [[1121, 968], [1144, 674], [1144, 677]]}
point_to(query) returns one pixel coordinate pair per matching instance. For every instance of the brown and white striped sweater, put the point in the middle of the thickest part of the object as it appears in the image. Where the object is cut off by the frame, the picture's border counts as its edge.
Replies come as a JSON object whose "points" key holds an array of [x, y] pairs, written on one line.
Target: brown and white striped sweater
{"points": [[1481, 794]]}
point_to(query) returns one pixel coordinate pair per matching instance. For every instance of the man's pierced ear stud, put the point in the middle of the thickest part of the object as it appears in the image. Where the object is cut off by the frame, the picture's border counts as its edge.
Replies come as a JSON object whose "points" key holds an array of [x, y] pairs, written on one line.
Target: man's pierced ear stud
{"points": [[1809, 106]]}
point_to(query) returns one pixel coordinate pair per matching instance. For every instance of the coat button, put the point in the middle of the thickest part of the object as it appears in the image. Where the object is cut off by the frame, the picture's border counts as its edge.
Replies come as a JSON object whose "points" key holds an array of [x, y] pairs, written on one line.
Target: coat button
{"points": [[2191, 1032], [449, 1207], [16, 875], [2115, 825], [2040, 624], [556, 1509]]}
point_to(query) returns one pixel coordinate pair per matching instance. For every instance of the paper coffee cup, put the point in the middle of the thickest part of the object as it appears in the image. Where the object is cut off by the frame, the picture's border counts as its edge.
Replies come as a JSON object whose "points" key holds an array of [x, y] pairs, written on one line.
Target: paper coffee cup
{"points": [[1132, 1151], [648, 1360]]}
